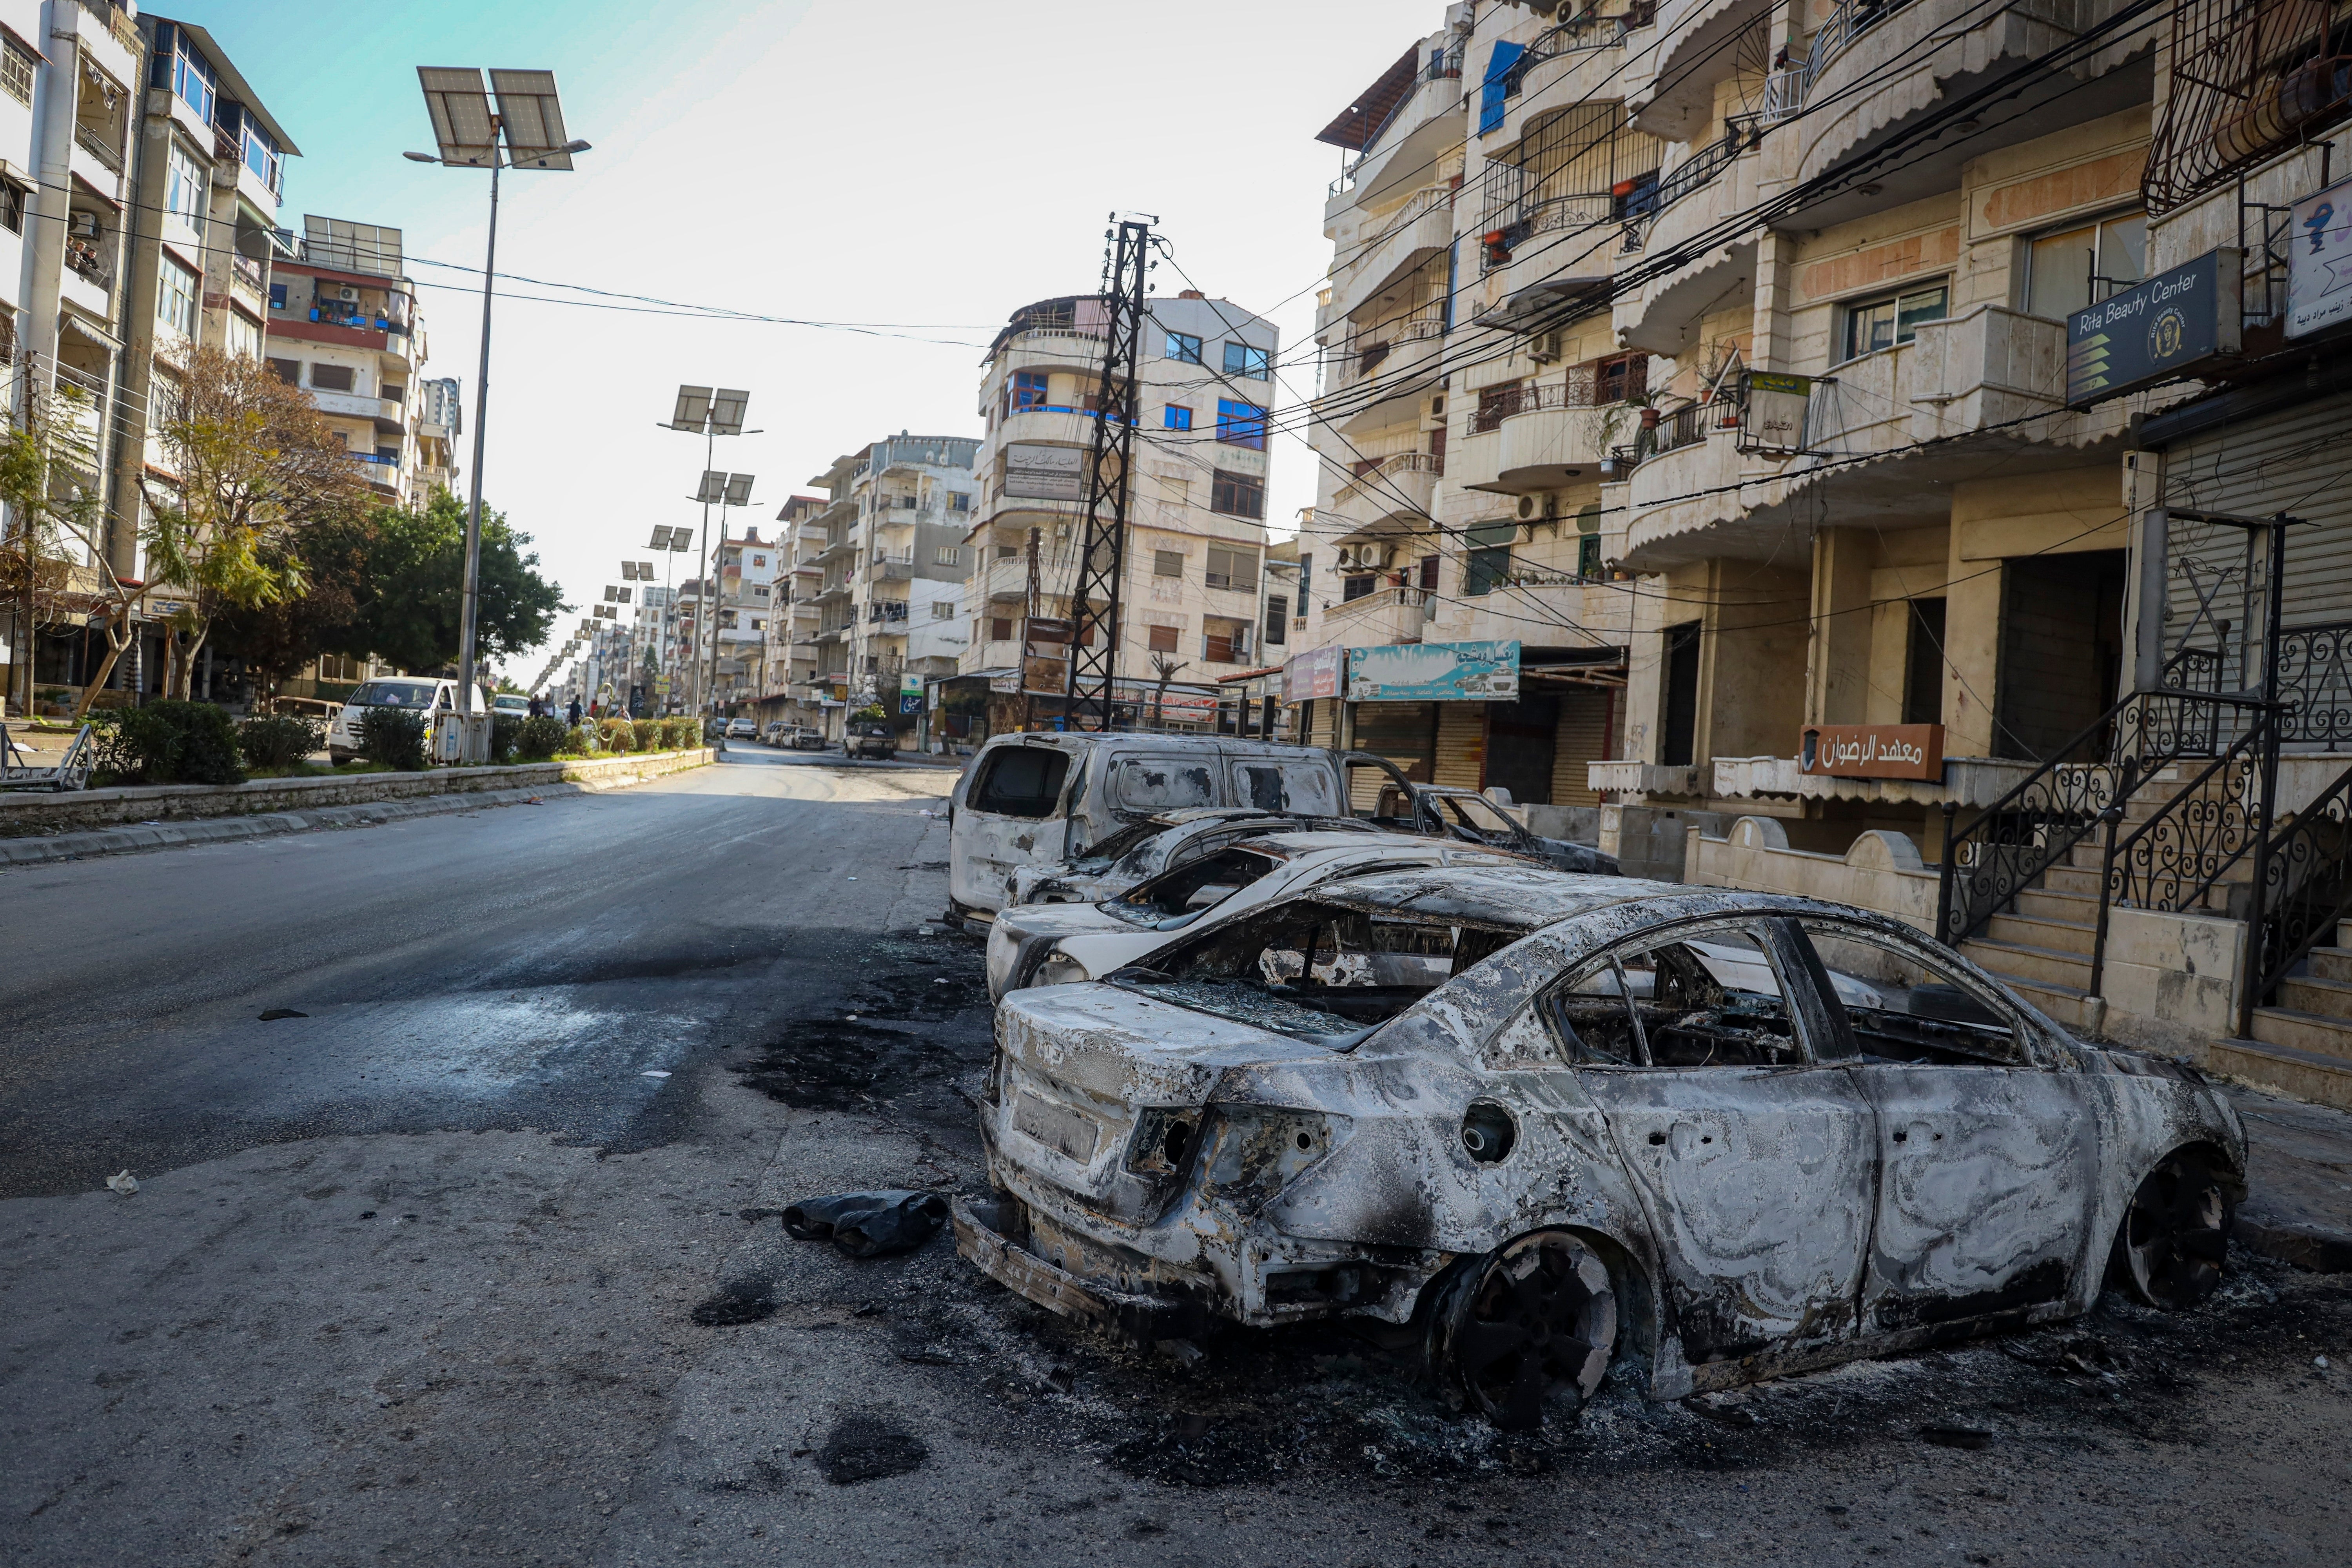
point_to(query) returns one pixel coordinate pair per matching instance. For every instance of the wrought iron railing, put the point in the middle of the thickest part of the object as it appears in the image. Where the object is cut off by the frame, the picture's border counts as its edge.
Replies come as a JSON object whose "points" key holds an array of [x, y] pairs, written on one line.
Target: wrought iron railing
{"points": [[2304, 889], [2037, 824], [2314, 681]]}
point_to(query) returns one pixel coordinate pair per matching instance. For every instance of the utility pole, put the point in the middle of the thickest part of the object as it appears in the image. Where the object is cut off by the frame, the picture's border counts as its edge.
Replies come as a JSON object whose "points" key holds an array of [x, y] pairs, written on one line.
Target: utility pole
{"points": [[718, 564], [1102, 561]]}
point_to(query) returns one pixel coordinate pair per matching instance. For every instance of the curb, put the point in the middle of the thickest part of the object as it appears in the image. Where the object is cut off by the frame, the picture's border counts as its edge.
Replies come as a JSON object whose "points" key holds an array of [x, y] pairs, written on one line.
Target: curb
{"points": [[223, 830], [2307, 1246]]}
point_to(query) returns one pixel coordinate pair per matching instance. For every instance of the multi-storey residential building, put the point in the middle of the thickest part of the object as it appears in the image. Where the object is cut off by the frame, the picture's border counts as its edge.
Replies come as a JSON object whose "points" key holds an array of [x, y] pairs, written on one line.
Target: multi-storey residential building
{"points": [[139, 208], [440, 420], [790, 689], [1191, 595], [877, 576], [747, 573], [345, 328]]}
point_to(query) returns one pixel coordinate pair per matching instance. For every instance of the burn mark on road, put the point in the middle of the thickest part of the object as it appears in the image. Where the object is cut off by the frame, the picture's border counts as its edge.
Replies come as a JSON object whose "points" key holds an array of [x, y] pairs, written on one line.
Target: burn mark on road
{"points": [[750, 1301], [863, 1447]]}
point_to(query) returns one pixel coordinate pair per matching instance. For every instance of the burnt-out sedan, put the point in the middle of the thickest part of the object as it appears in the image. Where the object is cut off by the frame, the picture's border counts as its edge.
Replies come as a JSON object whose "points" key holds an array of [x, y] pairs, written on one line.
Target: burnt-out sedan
{"points": [[1528, 1121]]}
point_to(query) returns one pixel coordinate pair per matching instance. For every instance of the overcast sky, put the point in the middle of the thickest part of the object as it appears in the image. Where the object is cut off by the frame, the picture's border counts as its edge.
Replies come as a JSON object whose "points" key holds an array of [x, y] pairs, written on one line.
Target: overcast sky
{"points": [[934, 164]]}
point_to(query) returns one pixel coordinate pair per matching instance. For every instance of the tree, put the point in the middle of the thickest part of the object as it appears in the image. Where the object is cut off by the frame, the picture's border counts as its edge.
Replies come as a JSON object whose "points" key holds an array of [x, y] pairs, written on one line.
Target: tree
{"points": [[1165, 669], [48, 465], [414, 590], [331, 557], [256, 460]]}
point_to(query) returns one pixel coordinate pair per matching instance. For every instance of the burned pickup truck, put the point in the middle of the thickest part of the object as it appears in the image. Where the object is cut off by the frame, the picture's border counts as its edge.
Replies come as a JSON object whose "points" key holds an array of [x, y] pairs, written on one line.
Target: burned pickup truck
{"points": [[1527, 1121]]}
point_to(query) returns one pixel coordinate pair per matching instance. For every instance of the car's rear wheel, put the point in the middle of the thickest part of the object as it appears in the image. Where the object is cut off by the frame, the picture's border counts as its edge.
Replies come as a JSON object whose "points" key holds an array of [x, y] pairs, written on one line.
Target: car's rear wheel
{"points": [[2174, 1238], [1528, 1331]]}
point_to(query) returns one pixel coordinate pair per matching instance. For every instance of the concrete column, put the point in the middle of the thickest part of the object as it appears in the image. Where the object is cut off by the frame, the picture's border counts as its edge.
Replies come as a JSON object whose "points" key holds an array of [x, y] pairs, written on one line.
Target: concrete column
{"points": [[1838, 673], [1774, 257], [1971, 653], [57, 90]]}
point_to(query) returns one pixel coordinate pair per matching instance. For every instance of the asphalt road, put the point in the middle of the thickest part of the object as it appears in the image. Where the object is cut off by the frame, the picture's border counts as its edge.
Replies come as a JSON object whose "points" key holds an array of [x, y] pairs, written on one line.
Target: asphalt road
{"points": [[438, 1272]]}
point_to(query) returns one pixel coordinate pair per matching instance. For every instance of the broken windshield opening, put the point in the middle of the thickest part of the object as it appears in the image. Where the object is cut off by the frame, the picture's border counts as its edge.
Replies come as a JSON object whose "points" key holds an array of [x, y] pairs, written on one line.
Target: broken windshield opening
{"points": [[1179, 896], [1314, 971]]}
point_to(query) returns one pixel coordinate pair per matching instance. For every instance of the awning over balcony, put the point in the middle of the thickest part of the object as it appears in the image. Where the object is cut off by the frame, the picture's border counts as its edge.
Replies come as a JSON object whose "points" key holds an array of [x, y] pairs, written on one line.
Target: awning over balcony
{"points": [[1363, 119]]}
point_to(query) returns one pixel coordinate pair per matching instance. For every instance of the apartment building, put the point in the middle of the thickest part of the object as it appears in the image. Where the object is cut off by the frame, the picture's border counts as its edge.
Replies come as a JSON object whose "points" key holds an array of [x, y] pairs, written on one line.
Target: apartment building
{"points": [[440, 420], [747, 569], [877, 577], [790, 690], [1191, 601], [343, 325], [140, 174]]}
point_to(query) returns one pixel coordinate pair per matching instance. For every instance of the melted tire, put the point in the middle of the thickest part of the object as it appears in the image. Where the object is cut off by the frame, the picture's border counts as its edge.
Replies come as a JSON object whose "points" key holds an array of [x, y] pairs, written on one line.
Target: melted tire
{"points": [[2172, 1246], [1526, 1332]]}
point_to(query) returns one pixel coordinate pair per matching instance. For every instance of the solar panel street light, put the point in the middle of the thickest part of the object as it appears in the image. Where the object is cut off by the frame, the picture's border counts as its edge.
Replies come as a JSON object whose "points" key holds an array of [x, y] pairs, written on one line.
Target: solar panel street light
{"points": [[693, 411], [727, 408], [463, 126], [645, 571], [683, 539], [713, 491], [739, 490], [661, 537]]}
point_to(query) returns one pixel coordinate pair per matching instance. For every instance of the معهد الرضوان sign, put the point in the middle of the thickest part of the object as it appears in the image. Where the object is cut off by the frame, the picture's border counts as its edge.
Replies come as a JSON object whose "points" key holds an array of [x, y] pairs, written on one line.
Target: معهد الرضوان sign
{"points": [[2155, 330], [1434, 672], [1873, 752], [2319, 261]]}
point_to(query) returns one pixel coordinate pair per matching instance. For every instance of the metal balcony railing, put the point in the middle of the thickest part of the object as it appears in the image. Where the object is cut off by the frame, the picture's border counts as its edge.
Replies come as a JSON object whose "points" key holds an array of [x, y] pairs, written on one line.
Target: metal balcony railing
{"points": [[1785, 90], [94, 142]]}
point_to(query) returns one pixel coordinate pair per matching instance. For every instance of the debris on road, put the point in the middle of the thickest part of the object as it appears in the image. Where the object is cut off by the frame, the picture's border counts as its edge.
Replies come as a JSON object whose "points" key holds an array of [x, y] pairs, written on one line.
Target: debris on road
{"points": [[868, 1224], [653, 1072], [123, 1182], [274, 1013]]}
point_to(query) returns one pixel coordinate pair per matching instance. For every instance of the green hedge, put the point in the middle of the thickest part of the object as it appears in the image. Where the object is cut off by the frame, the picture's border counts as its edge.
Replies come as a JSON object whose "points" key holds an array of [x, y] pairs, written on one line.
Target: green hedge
{"points": [[279, 741], [166, 742], [394, 737], [539, 739], [619, 735]]}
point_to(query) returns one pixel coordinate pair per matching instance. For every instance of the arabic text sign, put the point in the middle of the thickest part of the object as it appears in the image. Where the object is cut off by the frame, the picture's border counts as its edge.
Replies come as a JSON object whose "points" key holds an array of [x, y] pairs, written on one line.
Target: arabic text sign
{"points": [[1434, 672], [1776, 411], [1312, 675], [1045, 473], [2156, 329], [2319, 261], [1875, 751]]}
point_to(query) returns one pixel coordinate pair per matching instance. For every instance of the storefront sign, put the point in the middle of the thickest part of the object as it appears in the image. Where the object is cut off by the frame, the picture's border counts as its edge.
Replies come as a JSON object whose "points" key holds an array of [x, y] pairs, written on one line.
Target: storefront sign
{"points": [[1434, 672], [1007, 683], [2156, 329], [1045, 473], [2319, 261], [1312, 675], [1874, 751], [909, 702], [1775, 420]]}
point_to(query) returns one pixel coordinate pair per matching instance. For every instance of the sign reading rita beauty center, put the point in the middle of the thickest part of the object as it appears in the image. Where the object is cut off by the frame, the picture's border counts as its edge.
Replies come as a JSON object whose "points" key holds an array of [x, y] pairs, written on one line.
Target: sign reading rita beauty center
{"points": [[2155, 330]]}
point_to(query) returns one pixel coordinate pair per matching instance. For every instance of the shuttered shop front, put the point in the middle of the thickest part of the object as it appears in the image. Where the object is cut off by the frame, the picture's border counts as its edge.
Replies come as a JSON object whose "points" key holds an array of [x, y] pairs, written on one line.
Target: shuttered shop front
{"points": [[2297, 461], [1403, 733]]}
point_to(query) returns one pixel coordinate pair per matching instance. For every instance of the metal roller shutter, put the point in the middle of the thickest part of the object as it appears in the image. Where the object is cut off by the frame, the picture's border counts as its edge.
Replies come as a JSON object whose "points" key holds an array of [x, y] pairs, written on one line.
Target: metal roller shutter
{"points": [[1461, 745], [1403, 733], [1585, 721], [2299, 462]]}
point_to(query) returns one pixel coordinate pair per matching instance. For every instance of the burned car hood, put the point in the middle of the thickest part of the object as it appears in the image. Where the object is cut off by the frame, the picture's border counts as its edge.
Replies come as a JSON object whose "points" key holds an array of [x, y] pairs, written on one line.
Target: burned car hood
{"points": [[1125, 1050]]}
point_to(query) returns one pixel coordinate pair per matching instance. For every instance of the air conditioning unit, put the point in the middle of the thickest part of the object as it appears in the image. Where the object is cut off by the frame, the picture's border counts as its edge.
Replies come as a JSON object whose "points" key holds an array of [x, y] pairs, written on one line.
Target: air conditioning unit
{"points": [[1543, 508], [83, 225], [350, 296], [1544, 347]]}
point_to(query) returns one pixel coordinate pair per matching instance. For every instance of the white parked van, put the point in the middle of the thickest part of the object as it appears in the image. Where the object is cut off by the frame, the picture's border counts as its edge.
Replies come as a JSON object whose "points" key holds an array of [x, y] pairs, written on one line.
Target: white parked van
{"points": [[1031, 799], [418, 693]]}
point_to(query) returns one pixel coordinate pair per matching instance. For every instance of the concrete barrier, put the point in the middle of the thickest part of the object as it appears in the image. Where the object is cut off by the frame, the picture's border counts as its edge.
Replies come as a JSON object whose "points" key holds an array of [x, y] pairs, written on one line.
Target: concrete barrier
{"points": [[28, 816]]}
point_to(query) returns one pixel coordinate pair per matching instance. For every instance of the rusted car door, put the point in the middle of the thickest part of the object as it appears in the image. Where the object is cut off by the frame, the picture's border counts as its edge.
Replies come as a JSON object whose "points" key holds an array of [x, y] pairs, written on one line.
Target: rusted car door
{"points": [[1755, 1159], [1989, 1160], [1008, 814]]}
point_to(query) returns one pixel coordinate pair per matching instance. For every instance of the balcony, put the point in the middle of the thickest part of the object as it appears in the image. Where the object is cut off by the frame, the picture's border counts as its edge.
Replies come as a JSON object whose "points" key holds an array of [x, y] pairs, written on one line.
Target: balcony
{"points": [[1699, 198], [1399, 242], [245, 272], [1551, 439], [382, 474], [1004, 582], [1695, 51], [1627, 777], [1394, 496], [1393, 614], [95, 142], [891, 566], [1421, 126]]}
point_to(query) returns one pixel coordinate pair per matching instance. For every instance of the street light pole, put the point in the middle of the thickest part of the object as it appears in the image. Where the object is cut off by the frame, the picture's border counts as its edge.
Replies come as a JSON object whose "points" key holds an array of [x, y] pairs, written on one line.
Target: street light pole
{"points": [[481, 421]]}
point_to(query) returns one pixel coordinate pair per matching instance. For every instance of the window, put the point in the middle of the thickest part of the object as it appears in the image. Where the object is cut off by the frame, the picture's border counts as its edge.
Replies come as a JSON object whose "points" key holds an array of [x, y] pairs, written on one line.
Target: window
{"points": [[278, 296], [175, 297], [1277, 620], [944, 609], [1237, 495], [1487, 561], [1233, 570], [244, 341], [1495, 404], [1021, 780], [1176, 416], [1000, 629], [1429, 573], [1923, 675], [948, 556], [1224, 642], [2066, 272], [1245, 361], [1882, 323], [1241, 424], [184, 184], [1903, 1004], [12, 206], [1679, 744], [1008, 553], [1587, 555], [959, 501], [16, 71], [1029, 389], [1619, 377], [1168, 563], [1708, 998], [1162, 640], [262, 156], [331, 377], [188, 74], [1184, 346]]}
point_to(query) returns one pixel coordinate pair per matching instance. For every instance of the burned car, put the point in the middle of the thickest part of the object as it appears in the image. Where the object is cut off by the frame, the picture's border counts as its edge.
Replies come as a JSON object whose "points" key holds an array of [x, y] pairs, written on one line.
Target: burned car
{"points": [[1157, 844], [1467, 815], [1060, 944], [1508, 1116]]}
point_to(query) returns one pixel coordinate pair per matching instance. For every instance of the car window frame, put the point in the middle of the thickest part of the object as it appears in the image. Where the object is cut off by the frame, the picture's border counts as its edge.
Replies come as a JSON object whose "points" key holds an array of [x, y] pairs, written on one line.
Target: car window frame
{"points": [[2035, 1048], [1815, 1027]]}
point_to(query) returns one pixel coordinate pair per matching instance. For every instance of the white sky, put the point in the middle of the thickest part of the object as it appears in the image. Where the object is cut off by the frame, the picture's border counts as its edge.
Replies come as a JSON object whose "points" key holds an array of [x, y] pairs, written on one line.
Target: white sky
{"points": [[842, 161]]}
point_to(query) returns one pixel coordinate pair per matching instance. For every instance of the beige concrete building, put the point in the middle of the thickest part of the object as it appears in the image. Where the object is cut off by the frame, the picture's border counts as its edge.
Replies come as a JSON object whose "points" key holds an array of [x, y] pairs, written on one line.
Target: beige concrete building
{"points": [[344, 326], [1192, 601]]}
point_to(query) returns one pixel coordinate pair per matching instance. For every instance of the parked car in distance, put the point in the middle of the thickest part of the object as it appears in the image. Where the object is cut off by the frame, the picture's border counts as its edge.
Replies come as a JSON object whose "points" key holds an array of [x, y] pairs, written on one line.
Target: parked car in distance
{"points": [[742, 730], [1472, 817], [870, 739], [806, 738], [416, 693], [1148, 848], [773, 732], [1063, 944], [513, 704], [1518, 1118]]}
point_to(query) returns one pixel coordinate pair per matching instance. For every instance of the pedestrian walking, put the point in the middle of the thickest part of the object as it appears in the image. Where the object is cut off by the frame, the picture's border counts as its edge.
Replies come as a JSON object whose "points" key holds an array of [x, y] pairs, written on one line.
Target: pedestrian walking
{"points": [[572, 713]]}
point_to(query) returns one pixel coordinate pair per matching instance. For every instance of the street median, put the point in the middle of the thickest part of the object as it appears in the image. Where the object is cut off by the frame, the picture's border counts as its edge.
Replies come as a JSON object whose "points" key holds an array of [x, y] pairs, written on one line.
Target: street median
{"points": [[36, 827]]}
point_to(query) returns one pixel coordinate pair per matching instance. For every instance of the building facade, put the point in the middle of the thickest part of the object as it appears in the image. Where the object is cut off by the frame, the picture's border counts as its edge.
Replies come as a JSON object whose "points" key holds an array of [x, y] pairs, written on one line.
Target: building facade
{"points": [[345, 328], [1191, 601]]}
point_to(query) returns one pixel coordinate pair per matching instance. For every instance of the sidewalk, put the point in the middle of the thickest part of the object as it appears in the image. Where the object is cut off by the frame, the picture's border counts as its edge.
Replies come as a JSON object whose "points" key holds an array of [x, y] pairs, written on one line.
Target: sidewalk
{"points": [[2299, 1173]]}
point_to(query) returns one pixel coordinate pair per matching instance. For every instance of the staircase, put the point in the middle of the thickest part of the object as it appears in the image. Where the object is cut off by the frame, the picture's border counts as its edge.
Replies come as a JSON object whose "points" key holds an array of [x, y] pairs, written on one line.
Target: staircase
{"points": [[2042, 945]]}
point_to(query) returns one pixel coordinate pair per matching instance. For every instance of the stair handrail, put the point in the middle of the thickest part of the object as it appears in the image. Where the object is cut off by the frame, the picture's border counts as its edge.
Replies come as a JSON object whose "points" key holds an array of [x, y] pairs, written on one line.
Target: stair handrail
{"points": [[2215, 834], [2064, 800], [2286, 927]]}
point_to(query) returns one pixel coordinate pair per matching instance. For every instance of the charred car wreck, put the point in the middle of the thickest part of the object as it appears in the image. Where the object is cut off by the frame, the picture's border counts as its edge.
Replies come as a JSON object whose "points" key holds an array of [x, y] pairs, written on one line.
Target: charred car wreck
{"points": [[1528, 1121]]}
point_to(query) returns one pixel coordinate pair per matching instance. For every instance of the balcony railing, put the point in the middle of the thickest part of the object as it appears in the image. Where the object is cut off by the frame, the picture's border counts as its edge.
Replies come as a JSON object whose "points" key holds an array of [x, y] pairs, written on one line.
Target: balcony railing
{"points": [[1379, 480], [94, 142], [246, 269], [1785, 90], [82, 256]]}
